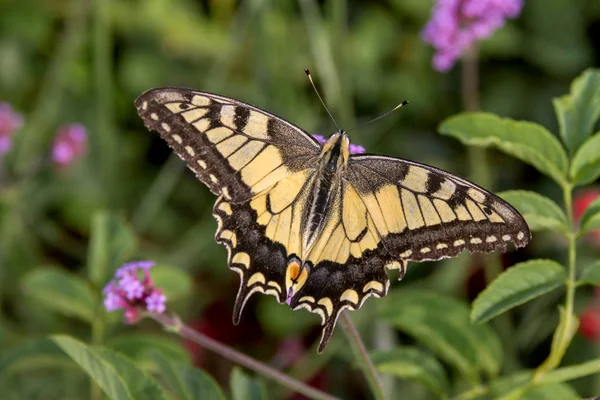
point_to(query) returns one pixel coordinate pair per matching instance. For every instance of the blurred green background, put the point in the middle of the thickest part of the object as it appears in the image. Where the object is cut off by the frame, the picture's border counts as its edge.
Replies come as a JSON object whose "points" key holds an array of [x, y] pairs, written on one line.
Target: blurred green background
{"points": [[86, 61]]}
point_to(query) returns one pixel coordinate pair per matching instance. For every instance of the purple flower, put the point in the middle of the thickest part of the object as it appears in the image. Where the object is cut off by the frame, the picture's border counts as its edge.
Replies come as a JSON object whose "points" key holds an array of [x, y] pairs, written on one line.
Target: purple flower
{"points": [[354, 148], [456, 24], [132, 290], [10, 121], [70, 144]]}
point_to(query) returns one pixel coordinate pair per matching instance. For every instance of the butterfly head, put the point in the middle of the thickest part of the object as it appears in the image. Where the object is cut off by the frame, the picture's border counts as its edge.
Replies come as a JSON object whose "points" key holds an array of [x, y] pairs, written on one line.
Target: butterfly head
{"points": [[336, 151]]}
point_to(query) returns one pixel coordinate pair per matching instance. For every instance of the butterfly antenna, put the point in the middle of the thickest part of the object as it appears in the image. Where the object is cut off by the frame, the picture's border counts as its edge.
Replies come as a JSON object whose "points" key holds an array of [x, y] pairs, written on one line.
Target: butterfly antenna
{"points": [[319, 96], [381, 116]]}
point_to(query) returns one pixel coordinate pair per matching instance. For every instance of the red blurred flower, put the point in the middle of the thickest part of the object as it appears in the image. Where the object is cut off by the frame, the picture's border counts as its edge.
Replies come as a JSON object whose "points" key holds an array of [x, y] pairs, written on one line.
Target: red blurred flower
{"points": [[580, 204], [589, 323]]}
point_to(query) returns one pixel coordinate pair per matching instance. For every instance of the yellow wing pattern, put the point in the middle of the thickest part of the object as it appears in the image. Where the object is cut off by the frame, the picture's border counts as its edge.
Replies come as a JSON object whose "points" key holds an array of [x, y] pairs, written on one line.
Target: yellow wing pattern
{"points": [[234, 148]]}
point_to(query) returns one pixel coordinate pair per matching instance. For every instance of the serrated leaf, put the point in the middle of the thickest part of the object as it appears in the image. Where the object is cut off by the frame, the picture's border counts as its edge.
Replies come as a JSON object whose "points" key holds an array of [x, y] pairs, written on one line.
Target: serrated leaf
{"points": [[585, 166], [415, 364], [590, 220], [591, 274], [112, 242], [578, 111], [31, 354], [187, 383], [61, 291], [540, 212], [175, 282], [141, 346], [527, 141], [442, 324], [245, 388], [140, 384], [517, 285], [100, 370]]}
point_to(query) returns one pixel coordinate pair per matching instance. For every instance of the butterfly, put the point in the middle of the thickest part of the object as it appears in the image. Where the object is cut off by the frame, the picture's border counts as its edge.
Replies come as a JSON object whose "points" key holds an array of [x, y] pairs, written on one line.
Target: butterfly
{"points": [[310, 223]]}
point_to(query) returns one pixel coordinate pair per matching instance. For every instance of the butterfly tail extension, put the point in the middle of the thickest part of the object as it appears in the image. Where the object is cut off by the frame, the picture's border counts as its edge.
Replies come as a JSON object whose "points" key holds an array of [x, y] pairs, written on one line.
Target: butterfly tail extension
{"points": [[332, 288], [250, 254]]}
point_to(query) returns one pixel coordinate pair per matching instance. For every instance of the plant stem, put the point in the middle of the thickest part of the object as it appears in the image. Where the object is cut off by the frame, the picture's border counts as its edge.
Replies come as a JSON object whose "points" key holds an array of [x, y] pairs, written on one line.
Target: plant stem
{"points": [[567, 326], [360, 353], [158, 193], [480, 173], [174, 324]]}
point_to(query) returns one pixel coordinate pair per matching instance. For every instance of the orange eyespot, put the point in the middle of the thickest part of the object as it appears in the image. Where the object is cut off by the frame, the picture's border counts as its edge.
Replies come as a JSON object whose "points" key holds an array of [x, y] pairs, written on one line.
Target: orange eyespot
{"points": [[295, 276]]}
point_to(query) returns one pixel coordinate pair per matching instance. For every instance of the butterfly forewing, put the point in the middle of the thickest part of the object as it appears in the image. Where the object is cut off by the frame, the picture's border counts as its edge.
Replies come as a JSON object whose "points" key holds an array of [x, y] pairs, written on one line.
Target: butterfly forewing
{"points": [[423, 213], [234, 148]]}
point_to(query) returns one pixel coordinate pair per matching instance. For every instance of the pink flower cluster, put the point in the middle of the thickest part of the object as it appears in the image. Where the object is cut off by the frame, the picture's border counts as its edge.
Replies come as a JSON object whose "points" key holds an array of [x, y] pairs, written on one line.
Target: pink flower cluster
{"points": [[354, 148], [456, 24], [126, 291], [10, 121], [70, 144]]}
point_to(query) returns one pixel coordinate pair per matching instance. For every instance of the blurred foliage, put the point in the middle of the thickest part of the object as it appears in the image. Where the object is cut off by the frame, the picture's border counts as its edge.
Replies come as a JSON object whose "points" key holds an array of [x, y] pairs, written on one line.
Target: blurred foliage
{"points": [[64, 61]]}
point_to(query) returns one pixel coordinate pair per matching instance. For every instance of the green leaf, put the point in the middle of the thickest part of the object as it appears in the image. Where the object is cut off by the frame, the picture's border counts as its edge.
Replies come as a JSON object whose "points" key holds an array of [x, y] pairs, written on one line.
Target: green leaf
{"points": [[61, 291], [187, 383], [245, 388], [540, 212], [415, 364], [590, 220], [141, 347], [140, 384], [591, 274], [31, 354], [175, 282], [578, 111], [585, 166], [517, 285], [442, 324], [112, 242], [100, 370], [527, 141]]}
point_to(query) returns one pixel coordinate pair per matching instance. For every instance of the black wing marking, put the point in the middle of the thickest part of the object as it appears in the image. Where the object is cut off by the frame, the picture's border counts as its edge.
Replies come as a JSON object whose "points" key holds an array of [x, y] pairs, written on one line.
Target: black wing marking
{"points": [[424, 213], [234, 148]]}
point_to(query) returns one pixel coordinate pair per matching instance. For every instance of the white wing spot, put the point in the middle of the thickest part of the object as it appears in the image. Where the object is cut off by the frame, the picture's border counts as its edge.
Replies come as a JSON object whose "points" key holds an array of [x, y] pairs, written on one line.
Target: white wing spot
{"points": [[177, 138], [190, 151], [459, 242], [154, 116], [425, 250], [406, 254], [225, 192], [166, 127], [441, 246], [145, 105], [476, 241], [506, 238], [520, 235], [491, 239], [202, 164], [213, 178]]}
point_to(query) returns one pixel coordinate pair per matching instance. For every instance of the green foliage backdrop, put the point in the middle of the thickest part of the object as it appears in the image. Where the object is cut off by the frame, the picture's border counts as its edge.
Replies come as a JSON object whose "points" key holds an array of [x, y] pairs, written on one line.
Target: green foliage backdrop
{"points": [[63, 232]]}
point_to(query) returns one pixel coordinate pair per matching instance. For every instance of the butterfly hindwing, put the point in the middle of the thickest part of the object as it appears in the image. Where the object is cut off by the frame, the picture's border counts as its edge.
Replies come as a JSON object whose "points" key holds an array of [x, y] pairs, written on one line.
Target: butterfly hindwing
{"points": [[423, 213], [259, 261], [234, 148]]}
